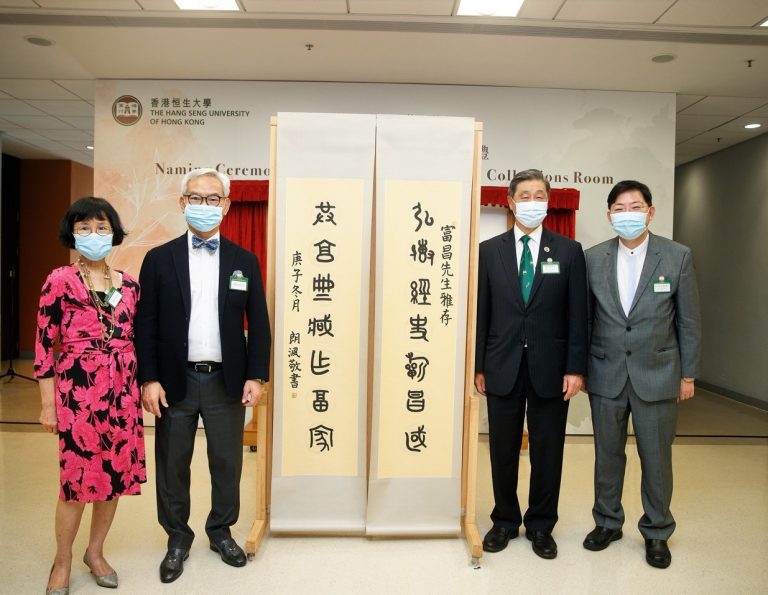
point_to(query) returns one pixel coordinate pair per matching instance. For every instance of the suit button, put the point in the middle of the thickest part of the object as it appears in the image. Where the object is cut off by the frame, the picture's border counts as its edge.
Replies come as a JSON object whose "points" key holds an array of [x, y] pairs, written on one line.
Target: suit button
{"points": [[629, 328], [629, 353]]}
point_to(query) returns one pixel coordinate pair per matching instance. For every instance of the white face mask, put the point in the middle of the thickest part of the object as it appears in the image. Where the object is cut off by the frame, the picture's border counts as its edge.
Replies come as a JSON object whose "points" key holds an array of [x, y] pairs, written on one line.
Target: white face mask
{"points": [[531, 212]]}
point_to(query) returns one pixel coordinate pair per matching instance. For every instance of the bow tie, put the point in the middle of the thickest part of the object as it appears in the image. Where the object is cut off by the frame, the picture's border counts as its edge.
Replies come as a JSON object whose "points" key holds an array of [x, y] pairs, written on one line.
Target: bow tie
{"points": [[211, 245]]}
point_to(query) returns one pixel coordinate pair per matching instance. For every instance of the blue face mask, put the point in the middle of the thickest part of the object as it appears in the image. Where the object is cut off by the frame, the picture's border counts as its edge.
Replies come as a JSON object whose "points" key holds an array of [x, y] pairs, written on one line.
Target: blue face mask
{"points": [[629, 225], [531, 212], [93, 246], [202, 217]]}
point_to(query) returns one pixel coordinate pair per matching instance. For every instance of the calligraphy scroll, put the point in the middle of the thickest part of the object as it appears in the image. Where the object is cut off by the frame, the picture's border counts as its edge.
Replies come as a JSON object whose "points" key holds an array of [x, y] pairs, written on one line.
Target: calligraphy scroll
{"points": [[323, 230], [423, 189]]}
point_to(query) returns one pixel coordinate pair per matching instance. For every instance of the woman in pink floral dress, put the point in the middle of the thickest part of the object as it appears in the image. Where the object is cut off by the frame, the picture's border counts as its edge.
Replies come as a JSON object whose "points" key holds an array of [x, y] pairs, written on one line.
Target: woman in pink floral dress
{"points": [[89, 394]]}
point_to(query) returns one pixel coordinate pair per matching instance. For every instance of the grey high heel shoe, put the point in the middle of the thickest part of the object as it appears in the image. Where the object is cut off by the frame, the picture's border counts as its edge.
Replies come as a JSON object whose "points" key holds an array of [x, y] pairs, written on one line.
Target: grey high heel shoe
{"points": [[60, 590], [107, 580]]}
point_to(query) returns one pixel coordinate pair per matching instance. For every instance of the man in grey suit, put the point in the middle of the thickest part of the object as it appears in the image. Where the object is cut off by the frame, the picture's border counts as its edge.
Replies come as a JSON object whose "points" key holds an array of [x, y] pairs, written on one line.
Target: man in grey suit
{"points": [[645, 335]]}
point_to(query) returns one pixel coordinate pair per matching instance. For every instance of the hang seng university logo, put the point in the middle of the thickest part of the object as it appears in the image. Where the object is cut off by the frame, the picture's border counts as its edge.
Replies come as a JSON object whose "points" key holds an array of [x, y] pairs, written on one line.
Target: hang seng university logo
{"points": [[127, 110]]}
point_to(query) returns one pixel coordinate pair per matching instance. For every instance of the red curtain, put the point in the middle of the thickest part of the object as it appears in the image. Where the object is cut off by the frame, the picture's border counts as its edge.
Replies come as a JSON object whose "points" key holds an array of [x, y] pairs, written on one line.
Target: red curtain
{"points": [[246, 221], [563, 204]]}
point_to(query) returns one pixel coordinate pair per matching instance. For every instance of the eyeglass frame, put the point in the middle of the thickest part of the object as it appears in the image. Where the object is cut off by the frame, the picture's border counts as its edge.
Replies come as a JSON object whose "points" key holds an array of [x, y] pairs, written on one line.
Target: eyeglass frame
{"points": [[98, 231], [204, 199]]}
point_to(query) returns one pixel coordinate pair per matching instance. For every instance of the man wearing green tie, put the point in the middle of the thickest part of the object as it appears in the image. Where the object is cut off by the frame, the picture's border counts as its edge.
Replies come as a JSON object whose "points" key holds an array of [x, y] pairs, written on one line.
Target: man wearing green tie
{"points": [[531, 354]]}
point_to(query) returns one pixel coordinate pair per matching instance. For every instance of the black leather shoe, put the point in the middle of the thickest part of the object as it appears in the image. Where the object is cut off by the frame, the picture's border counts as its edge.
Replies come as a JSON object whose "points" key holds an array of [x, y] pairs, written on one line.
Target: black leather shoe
{"points": [[497, 538], [601, 537], [173, 564], [229, 551], [543, 544], [657, 553]]}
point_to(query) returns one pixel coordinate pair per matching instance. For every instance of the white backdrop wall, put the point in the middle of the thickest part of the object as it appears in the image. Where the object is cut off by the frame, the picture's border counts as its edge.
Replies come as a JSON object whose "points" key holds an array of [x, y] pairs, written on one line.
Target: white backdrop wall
{"points": [[583, 139]]}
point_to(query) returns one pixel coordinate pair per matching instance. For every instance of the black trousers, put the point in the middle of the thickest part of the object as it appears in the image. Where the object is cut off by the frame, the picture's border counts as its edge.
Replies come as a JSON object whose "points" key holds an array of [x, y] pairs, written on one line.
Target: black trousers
{"points": [[546, 438], [223, 419]]}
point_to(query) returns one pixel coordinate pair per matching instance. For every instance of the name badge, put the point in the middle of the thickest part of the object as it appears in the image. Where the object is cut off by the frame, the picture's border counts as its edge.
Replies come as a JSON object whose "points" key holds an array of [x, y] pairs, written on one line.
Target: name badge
{"points": [[238, 282], [550, 267], [114, 297], [663, 285]]}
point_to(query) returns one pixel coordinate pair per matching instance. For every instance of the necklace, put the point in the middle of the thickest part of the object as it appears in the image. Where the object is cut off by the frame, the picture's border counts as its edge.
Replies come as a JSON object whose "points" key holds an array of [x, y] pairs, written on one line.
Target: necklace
{"points": [[103, 309]]}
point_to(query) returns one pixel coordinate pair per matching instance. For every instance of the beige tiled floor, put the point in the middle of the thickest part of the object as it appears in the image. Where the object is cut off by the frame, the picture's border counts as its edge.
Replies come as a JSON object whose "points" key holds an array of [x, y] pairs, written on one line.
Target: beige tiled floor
{"points": [[720, 502]]}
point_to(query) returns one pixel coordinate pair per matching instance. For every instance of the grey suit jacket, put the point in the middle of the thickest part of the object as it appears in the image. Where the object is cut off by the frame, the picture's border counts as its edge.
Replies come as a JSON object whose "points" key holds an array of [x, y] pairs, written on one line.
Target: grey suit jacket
{"points": [[659, 342]]}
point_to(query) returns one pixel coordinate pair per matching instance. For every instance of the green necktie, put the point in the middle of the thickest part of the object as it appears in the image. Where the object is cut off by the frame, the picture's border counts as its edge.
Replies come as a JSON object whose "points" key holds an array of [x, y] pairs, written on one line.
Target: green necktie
{"points": [[526, 270]]}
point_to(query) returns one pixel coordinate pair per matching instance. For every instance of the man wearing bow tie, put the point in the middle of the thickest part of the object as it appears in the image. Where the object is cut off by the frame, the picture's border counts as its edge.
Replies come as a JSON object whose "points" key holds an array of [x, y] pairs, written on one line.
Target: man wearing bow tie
{"points": [[195, 361]]}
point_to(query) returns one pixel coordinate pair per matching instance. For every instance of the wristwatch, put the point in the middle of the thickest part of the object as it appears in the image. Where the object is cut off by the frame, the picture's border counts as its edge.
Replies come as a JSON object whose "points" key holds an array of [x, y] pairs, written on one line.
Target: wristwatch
{"points": [[260, 381], [688, 379]]}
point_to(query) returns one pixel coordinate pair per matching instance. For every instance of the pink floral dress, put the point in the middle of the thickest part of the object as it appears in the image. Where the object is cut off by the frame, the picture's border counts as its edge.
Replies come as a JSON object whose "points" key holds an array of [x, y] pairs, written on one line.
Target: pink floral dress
{"points": [[98, 407]]}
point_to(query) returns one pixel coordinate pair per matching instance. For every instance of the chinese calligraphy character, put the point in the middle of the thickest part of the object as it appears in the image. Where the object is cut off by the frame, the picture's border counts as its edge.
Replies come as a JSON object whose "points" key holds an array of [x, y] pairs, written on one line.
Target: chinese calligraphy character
{"points": [[320, 404], [446, 266], [419, 327], [321, 436], [324, 215], [324, 251], [293, 338], [422, 253], [319, 327], [447, 232], [296, 259], [322, 285], [415, 402], [428, 221], [420, 288], [416, 441], [416, 366], [445, 317], [320, 364], [446, 300]]}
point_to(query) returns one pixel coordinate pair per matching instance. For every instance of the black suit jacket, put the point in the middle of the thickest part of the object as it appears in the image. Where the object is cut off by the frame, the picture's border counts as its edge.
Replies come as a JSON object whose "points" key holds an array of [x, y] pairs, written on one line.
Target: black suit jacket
{"points": [[554, 322], [162, 319]]}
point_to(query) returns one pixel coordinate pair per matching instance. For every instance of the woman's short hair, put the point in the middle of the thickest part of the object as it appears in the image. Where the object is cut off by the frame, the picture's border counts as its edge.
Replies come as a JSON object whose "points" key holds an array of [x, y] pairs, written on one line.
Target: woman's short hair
{"points": [[85, 209]]}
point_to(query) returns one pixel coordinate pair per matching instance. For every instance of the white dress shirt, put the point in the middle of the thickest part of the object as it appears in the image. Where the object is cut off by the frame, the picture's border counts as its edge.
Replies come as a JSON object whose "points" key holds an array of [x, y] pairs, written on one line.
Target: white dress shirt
{"points": [[533, 245], [629, 266], [204, 336]]}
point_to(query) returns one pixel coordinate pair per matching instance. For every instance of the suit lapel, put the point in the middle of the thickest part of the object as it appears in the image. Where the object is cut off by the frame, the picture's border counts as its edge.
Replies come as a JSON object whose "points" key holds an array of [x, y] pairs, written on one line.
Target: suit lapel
{"points": [[509, 259], [652, 259], [180, 255], [547, 249], [226, 264], [613, 277]]}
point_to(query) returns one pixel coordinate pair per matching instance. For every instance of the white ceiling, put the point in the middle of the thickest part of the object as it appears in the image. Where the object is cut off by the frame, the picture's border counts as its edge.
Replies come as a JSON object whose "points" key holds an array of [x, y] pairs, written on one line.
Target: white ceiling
{"points": [[47, 93]]}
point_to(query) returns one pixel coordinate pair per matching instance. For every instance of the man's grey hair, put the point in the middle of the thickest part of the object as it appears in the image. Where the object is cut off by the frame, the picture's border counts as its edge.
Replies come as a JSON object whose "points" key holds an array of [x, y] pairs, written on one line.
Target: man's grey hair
{"points": [[524, 176], [205, 171]]}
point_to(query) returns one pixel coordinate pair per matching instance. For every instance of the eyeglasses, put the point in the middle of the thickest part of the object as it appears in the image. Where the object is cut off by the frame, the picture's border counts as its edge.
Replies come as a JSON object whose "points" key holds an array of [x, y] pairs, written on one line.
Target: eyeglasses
{"points": [[85, 230], [212, 200]]}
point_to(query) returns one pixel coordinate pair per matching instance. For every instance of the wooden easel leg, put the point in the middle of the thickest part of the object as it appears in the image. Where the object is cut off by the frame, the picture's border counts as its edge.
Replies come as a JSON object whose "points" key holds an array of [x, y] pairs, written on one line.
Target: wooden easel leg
{"points": [[471, 535], [259, 528]]}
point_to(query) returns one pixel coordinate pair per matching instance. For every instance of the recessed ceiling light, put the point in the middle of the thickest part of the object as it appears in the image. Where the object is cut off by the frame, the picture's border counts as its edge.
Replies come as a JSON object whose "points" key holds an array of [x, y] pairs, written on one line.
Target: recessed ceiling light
{"points": [[207, 4], [764, 23], [663, 58], [41, 41], [89, 147], [750, 126], [489, 8]]}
